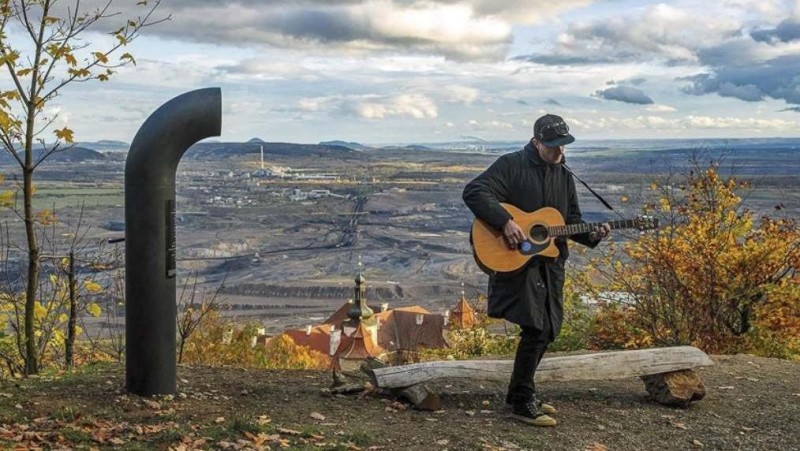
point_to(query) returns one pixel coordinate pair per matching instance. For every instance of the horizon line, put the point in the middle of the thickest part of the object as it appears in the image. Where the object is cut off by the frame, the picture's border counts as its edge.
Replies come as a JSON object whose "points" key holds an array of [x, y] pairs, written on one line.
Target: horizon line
{"points": [[454, 141]]}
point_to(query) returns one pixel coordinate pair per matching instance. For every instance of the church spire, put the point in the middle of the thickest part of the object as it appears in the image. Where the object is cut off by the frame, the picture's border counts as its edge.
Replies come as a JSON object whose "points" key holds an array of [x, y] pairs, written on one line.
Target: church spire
{"points": [[360, 310], [463, 315]]}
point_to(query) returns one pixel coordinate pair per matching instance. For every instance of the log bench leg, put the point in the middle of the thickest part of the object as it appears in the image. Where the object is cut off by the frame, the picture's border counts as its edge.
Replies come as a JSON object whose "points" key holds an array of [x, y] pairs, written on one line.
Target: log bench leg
{"points": [[676, 388], [419, 395]]}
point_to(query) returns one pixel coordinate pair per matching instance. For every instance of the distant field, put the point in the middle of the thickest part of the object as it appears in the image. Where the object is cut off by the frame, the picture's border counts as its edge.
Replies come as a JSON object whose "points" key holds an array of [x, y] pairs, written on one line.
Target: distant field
{"points": [[72, 197]]}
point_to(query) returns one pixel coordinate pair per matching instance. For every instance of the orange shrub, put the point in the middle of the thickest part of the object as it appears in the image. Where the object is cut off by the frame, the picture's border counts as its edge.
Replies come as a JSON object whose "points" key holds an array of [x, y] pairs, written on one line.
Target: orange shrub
{"points": [[713, 276], [282, 353], [617, 327]]}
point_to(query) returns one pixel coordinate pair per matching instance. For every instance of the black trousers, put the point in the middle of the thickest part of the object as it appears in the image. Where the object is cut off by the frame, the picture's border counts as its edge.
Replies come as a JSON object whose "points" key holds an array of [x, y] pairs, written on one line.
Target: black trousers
{"points": [[532, 346]]}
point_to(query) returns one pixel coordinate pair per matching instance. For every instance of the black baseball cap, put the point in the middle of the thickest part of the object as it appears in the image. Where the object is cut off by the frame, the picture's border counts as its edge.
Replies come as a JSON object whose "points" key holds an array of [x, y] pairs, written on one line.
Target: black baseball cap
{"points": [[552, 131]]}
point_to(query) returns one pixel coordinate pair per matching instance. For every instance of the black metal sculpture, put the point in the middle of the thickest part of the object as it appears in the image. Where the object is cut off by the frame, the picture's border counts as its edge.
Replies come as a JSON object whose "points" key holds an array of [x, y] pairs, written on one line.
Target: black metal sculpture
{"points": [[150, 309]]}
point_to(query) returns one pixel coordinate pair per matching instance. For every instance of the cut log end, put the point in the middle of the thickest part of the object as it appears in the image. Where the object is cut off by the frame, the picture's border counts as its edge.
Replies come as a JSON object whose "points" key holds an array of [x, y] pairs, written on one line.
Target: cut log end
{"points": [[421, 397], [369, 365], [676, 388]]}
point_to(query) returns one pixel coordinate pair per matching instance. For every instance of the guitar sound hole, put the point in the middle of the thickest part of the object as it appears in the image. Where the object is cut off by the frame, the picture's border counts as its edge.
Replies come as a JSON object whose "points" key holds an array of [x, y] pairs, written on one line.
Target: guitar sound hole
{"points": [[539, 233]]}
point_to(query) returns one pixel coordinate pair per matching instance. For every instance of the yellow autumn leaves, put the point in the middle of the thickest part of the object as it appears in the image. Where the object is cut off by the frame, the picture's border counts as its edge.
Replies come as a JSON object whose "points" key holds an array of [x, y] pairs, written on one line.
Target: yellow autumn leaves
{"points": [[217, 341], [714, 275]]}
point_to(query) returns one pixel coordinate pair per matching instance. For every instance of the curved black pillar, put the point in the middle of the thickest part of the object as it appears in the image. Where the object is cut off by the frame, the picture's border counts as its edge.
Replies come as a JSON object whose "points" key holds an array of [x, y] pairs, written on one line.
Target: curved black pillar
{"points": [[150, 310]]}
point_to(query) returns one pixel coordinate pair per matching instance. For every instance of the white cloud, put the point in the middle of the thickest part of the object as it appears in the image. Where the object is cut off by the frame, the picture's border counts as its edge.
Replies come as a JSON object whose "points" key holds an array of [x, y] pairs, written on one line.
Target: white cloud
{"points": [[457, 29], [312, 105], [752, 124], [490, 125], [684, 124], [449, 24], [260, 69], [525, 12], [460, 94], [661, 32], [452, 30], [188, 70], [658, 108], [415, 106], [241, 107], [766, 10]]}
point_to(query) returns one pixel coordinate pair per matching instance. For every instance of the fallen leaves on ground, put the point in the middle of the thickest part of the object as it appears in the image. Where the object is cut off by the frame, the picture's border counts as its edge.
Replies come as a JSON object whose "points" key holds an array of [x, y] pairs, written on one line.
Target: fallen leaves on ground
{"points": [[679, 425], [49, 433], [152, 404]]}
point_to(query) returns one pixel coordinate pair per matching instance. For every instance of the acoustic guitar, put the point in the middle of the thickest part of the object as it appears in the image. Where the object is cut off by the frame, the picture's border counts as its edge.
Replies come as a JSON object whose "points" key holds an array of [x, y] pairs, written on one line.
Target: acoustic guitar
{"points": [[541, 228]]}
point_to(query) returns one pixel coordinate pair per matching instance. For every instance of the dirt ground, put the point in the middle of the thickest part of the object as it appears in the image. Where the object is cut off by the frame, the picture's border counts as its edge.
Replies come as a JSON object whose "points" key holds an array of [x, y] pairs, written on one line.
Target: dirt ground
{"points": [[752, 403]]}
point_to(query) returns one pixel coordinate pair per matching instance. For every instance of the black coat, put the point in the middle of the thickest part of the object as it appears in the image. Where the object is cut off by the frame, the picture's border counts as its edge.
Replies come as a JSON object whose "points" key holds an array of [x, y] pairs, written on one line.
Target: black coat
{"points": [[526, 181]]}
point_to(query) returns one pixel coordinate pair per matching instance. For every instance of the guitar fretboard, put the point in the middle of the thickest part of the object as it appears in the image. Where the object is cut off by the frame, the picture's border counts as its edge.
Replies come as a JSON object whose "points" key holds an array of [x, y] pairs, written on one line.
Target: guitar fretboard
{"points": [[575, 229]]}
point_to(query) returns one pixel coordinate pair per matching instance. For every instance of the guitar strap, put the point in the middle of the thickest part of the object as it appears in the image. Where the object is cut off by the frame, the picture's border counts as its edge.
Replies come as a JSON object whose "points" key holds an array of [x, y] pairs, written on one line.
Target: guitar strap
{"points": [[599, 197]]}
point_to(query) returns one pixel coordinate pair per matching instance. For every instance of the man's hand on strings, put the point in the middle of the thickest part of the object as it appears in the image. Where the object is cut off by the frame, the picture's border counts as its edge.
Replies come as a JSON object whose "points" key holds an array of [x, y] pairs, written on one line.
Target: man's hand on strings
{"points": [[513, 233], [600, 232]]}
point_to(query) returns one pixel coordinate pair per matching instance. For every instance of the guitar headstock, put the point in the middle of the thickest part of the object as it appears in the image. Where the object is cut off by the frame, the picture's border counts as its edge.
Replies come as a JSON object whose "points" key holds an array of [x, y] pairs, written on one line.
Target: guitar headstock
{"points": [[644, 222]]}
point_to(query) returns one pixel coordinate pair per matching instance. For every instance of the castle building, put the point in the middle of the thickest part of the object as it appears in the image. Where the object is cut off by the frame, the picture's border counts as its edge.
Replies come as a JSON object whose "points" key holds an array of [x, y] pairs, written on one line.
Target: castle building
{"points": [[355, 332]]}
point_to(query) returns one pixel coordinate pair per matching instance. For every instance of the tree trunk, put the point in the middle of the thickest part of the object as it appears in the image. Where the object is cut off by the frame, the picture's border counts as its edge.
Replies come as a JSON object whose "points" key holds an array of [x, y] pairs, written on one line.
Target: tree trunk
{"points": [[31, 108], [73, 312], [745, 324], [31, 359], [180, 350]]}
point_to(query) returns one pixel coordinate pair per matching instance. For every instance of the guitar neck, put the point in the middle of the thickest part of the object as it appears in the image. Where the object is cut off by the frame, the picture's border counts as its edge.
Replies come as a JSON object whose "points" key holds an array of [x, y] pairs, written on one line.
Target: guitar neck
{"points": [[576, 229]]}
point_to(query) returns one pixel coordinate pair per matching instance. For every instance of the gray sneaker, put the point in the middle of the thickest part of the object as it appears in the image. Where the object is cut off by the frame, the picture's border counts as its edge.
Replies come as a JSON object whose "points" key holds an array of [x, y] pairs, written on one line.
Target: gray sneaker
{"points": [[545, 408], [529, 413]]}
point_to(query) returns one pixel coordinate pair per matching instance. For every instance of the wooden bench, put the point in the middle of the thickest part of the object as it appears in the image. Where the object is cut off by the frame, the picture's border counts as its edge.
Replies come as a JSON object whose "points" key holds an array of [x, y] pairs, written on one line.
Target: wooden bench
{"points": [[667, 372]]}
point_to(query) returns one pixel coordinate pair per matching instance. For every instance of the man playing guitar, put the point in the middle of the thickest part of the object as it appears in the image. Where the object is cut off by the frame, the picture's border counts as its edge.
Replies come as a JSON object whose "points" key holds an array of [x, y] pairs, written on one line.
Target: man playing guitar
{"points": [[532, 296]]}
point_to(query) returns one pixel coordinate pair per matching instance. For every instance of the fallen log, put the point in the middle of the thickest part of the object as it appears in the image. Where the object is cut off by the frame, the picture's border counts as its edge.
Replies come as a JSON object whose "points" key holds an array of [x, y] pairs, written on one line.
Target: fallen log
{"points": [[599, 366]]}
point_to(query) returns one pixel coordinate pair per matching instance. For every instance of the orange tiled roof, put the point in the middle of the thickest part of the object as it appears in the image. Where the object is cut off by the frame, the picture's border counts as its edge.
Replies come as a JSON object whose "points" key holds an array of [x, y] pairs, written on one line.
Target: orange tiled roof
{"points": [[358, 345], [385, 316], [463, 306], [463, 314], [318, 340], [340, 315]]}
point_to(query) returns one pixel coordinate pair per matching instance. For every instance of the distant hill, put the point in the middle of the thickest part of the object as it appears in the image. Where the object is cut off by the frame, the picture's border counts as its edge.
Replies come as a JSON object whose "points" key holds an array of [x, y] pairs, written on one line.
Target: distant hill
{"points": [[215, 151], [414, 147], [348, 144], [74, 155], [106, 145], [77, 154], [469, 138], [256, 141]]}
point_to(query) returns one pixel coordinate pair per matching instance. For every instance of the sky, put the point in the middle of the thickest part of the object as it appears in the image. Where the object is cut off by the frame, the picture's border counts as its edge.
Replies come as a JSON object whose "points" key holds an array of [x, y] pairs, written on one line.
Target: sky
{"points": [[416, 71]]}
